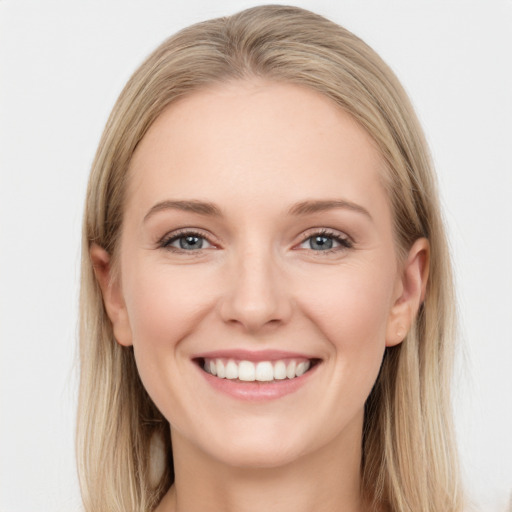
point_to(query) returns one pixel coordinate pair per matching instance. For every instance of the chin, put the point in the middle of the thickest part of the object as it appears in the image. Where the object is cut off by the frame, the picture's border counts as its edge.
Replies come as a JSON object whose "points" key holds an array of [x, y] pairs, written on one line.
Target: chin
{"points": [[262, 446], [258, 455]]}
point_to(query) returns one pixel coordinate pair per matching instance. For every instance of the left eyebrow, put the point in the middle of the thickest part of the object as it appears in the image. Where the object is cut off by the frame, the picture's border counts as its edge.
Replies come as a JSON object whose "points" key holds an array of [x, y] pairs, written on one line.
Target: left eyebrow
{"points": [[308, 207], [199, 207]]}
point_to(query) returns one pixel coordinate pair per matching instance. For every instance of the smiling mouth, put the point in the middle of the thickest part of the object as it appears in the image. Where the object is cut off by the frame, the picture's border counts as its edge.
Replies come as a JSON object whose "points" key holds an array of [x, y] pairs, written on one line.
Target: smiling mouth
{"points": [[261, 371]]}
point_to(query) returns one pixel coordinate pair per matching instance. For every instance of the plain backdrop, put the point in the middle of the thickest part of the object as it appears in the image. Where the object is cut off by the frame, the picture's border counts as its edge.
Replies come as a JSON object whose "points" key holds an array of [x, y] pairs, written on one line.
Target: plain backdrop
{"points": [[62, 65]]}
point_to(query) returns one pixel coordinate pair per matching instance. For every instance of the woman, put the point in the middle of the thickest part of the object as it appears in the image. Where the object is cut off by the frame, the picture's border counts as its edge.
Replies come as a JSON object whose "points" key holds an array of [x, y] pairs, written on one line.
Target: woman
{"points": [[267, 308]]}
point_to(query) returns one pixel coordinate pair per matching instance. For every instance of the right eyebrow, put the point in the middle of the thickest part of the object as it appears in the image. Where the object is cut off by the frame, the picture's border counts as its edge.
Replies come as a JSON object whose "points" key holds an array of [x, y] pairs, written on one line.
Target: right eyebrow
{"points": [[199, 207], [309, 207]]}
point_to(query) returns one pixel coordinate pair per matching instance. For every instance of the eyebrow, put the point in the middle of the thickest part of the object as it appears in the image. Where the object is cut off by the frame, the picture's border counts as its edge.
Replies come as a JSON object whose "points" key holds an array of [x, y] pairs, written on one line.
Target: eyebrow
{"points": [[199, 207], [309, 207], [302, 208]]}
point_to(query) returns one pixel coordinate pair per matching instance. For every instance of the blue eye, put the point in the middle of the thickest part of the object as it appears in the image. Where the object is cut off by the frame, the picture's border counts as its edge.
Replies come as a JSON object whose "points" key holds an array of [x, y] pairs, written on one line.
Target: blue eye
{"points": [[186, 242], [325, 242]]}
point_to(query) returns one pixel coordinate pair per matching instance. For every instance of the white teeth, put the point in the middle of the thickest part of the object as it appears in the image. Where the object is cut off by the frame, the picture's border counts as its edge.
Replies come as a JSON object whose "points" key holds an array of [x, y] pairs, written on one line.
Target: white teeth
{"points": [[231, 370], [263, 371], [246, 371], [280, 370], [290, 369], [301, 368], [221, 369]]}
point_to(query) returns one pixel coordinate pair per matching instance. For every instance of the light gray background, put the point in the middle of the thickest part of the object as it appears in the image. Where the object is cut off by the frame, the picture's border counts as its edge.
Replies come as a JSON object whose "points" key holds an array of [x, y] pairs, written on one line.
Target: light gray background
{"points": [[62, 65]]}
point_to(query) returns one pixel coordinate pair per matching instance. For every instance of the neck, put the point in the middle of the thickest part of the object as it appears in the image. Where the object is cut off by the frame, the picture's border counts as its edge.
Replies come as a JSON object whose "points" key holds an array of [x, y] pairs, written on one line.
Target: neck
{"points": [[327, 480]]}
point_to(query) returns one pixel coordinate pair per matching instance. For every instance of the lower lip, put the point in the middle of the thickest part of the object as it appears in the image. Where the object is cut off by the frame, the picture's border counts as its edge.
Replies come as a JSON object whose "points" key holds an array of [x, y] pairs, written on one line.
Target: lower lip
{"points": [[258, 391]]}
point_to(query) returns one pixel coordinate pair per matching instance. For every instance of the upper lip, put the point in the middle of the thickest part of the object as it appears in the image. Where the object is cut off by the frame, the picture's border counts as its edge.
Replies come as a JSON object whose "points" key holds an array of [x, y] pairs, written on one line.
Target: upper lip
{"points": [[251, 355]]}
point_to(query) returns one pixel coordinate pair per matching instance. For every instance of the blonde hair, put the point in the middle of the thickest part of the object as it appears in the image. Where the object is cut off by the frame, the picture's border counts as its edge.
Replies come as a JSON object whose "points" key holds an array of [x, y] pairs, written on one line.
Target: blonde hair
{"points": [[409, 458]]}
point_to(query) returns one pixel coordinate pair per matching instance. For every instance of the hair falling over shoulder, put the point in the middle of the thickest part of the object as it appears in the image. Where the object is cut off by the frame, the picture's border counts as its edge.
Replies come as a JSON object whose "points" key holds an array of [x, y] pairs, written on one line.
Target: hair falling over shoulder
{"points": [[409, 454]]}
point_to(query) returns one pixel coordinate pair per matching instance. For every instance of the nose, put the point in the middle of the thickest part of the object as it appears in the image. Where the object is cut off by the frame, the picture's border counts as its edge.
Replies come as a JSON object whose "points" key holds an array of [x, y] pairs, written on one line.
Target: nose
{"points": [[256, 296]]}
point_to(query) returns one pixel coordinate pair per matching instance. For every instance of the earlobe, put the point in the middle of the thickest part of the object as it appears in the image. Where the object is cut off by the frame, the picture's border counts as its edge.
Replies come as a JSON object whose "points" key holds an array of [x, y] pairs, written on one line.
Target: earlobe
{"points": [[112, 294], [411, 288]]}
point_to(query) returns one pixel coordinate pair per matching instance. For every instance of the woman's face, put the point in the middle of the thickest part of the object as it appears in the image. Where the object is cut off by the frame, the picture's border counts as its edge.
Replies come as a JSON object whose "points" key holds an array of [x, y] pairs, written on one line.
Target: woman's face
{"points": [[257, 241]]}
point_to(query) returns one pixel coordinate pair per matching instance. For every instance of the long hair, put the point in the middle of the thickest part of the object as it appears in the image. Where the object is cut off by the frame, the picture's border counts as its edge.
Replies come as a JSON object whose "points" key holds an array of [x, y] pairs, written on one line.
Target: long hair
{"points": [[409, 458]]}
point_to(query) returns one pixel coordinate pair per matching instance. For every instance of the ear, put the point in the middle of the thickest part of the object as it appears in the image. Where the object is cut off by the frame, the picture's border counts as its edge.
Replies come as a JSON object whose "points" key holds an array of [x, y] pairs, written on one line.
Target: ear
{"points": [[112, 294], [409, 292]]}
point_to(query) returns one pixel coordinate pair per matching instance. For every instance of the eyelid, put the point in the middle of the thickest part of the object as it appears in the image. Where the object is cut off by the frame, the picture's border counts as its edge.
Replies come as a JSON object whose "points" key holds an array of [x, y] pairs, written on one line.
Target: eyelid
{"points": [[342, 238], [171, 236]]}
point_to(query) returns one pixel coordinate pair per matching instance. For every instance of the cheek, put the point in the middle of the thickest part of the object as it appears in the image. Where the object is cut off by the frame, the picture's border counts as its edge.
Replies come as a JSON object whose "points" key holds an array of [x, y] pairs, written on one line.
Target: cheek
{"points": [[164, 304], [353, 308], [351, 315]]}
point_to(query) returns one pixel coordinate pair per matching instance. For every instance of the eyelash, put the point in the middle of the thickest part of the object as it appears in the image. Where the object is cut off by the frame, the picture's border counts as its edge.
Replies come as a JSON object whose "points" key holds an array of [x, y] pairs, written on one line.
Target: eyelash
{"points": [[343, 241], [165, 242], [168, 239]]}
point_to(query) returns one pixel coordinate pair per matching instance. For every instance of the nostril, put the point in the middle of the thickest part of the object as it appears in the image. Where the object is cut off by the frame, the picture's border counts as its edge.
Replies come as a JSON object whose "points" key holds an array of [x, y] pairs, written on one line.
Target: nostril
{"points": [[255, 302]]}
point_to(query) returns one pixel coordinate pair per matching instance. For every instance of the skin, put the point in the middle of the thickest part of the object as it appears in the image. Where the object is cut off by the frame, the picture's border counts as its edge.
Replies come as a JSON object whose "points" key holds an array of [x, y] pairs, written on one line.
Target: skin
{"points": [[255, 150]]}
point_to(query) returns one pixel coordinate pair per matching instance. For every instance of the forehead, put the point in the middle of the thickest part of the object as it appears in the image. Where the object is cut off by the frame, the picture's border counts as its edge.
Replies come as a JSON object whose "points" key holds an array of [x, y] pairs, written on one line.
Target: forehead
{"points": [[245, 139]]}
